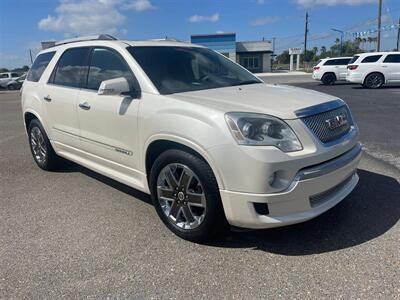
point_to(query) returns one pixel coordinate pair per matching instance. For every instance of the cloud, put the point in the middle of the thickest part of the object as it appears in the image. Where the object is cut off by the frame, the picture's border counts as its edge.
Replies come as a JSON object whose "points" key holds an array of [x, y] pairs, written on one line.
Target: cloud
{"points": [[260, 1], [198, 19], [84, 17], [265, 20], [310, 3], [138, 5]]}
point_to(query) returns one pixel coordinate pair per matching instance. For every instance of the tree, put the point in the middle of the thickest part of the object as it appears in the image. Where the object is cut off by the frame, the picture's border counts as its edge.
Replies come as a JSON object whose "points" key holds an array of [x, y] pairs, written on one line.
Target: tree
{"points": [[283, 58]]}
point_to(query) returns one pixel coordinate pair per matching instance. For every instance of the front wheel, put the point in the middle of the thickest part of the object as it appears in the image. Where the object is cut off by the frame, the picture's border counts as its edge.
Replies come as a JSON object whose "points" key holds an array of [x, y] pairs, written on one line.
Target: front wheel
{"points": [[374, 81], [186, 196]]}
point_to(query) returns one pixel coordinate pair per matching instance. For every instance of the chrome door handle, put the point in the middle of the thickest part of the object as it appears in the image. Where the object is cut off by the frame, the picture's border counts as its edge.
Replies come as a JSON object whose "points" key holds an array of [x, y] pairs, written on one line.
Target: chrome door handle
{"points": [[84, 105], [47, 98]]}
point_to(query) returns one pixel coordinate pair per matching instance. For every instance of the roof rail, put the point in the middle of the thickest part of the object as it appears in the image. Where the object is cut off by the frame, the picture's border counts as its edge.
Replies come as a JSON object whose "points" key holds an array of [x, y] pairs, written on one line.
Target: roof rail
{"points": [[166, 39], [101, 37]]}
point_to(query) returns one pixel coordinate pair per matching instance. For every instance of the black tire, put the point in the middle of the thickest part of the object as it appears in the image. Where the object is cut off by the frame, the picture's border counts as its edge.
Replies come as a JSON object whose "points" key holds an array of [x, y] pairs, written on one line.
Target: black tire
{"points": [[374, 81], [214, 222], [328, 79], [12, 87], [51, 159]]}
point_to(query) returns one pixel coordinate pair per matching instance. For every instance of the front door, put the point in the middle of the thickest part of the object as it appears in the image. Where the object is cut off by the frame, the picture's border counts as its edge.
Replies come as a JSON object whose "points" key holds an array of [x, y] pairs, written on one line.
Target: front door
{"points": [[108, 123]]}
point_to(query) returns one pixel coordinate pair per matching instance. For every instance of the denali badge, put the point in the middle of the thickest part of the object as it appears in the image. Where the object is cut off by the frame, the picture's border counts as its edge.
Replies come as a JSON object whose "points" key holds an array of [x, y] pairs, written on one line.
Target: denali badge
{"points": [[336, 122]]}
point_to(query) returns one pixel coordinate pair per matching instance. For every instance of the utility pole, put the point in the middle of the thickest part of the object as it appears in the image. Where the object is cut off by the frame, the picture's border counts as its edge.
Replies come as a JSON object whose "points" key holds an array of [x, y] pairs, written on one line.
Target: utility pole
{"points": [[378, 44], [341, 39], [305, 35], [398, 36]]}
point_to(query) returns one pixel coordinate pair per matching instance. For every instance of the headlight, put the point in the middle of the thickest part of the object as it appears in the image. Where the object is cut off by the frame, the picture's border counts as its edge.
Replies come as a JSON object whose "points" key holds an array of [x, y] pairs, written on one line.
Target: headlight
{"points": [[262, 130]]}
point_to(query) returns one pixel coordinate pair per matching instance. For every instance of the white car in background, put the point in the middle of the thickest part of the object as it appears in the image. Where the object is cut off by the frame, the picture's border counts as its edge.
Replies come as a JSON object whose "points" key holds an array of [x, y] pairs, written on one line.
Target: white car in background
{"points": [[7, 77], [330, 70], [373, 70]]}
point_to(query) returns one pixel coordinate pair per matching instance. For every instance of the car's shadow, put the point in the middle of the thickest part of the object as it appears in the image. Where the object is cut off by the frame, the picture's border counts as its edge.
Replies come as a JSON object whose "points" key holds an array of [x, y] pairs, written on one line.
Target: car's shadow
{"points": [[368, 212], [385, 87]]}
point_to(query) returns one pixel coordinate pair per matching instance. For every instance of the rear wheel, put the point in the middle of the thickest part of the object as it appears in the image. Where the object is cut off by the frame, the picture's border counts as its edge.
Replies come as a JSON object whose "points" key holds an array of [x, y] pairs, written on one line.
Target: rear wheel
{"points": [[40, 146], [12, 87], [186, 196], [328, 79], [374, 81]]}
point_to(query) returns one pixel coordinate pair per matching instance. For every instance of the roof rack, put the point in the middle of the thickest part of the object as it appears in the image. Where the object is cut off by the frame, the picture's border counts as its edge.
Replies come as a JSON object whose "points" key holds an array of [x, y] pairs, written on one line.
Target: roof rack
{"points": [[101, 37]]}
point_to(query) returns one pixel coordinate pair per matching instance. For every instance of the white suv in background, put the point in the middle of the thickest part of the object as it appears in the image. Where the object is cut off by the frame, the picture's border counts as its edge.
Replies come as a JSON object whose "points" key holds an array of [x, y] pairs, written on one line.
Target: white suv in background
{"points": [[330, 70], [211, 142], [373, 70]]}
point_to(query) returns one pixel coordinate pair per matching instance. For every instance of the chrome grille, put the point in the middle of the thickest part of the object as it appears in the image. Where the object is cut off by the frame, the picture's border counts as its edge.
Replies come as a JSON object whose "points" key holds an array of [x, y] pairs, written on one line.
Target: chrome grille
{"points": [[318, 124]]}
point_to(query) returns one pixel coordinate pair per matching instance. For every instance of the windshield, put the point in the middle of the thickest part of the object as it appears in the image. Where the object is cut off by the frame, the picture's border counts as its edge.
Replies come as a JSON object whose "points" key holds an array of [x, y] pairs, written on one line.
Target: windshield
{"points": [[184, 69]]}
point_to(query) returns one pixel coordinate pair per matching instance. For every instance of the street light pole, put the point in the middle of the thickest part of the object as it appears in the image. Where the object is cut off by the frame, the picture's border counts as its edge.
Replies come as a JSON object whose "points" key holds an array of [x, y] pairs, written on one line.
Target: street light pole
{"points": [[378, 44], [341, 39]]}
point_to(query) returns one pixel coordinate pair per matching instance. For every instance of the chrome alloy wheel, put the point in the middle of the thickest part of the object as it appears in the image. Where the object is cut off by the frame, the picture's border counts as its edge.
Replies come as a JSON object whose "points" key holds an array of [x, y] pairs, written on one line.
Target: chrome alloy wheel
{"points": [[374, 80], [38, 145], [181, 196]]}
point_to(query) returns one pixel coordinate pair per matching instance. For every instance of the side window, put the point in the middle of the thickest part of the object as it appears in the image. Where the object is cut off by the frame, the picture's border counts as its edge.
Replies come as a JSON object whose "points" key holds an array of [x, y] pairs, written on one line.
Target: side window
{"points": [[4, 75], [371, 59], [107, 64], [72, 68], [330, 62], [39, 66], [343, 61], [14, 75], [392, 58]]}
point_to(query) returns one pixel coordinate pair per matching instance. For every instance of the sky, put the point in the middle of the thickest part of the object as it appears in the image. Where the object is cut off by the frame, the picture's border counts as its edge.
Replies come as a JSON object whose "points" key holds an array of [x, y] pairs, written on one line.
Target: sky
{"points": [[25, 23]]}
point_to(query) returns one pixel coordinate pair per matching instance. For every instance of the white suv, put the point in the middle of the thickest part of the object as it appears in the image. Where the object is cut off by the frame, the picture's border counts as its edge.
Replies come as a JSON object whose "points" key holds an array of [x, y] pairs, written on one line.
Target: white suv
{"points": [[373, 70], [330, 70], [211, 142]]}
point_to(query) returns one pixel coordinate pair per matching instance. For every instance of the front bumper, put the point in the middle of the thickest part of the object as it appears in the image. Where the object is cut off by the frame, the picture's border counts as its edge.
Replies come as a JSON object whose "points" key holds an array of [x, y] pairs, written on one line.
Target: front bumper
{"points": [[314, 190]]}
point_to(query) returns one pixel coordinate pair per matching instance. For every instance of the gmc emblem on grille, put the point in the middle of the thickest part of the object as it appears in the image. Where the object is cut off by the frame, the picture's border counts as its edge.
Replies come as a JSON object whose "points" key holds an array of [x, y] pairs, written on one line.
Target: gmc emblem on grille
{"points": [[336, 122]]}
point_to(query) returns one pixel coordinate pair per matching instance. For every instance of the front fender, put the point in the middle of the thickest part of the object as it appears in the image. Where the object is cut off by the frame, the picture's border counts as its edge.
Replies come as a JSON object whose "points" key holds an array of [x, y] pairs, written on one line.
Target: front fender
{"points": [[188, 143]]}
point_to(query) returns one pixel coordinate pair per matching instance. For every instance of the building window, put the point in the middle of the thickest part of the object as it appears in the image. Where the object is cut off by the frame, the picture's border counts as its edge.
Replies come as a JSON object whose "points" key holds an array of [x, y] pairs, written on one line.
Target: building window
{"points": [[252, 63]]}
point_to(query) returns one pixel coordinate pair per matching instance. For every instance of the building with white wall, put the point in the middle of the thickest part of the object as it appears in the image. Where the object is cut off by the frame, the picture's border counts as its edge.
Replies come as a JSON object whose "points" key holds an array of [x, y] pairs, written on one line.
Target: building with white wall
{"points": [[254, 55]]}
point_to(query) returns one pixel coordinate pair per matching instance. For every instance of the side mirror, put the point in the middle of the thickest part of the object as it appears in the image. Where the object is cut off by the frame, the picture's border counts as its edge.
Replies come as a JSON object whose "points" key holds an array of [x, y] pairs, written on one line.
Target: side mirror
{"points": [[117, 86]]}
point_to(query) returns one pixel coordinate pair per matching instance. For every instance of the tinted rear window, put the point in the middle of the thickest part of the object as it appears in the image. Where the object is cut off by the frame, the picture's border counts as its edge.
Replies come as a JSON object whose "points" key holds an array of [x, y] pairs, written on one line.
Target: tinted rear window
{"points": [[371, 59], [392, 58], [71, 69], [39, 66], [354, 59], [330, 62]]}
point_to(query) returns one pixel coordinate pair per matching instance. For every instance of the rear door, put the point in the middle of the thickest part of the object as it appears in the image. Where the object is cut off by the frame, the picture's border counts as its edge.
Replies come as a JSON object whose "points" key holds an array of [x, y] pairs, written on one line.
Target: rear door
{"points": [[60, 97], [391, 65], [109, 122]]}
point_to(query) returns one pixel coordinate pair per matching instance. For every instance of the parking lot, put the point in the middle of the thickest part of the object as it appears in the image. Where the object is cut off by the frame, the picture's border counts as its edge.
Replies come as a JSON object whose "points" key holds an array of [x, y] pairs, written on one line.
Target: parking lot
{"points": [[74, 233]]}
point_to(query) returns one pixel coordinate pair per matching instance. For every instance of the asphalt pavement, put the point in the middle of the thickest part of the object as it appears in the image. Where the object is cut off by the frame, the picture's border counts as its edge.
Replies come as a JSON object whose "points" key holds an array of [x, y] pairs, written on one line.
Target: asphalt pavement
{"points": [[77, 234]]}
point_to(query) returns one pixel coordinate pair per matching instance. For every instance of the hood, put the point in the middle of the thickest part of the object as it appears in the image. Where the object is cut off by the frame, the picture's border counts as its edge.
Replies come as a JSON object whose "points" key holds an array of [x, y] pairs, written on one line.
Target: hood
{"points": [[276, 100]]}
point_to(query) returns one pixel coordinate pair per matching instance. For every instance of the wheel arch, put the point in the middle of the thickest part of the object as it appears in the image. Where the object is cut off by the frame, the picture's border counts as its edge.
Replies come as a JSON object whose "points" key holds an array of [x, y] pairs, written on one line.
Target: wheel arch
{"points": [[30, 115], [327, 73], [159, 144]]}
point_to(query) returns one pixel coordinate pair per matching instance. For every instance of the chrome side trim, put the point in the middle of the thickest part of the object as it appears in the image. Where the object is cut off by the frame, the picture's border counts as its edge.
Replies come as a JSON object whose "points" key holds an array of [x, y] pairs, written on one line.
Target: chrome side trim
{"points": [[332, 165], [316, 109], [107, 146]]}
